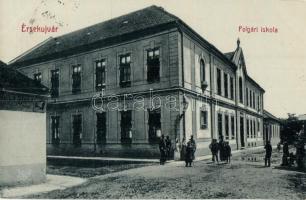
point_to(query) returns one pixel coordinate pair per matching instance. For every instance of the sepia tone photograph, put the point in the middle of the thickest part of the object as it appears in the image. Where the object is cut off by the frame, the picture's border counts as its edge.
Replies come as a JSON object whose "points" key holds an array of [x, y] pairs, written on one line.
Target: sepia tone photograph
{"points": [[152, 99]]}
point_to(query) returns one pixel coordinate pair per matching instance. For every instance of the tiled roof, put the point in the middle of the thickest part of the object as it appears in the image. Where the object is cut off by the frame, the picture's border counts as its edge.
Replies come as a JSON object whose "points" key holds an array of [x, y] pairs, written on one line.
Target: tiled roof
{"points": [[136, 21], [14, 81]]}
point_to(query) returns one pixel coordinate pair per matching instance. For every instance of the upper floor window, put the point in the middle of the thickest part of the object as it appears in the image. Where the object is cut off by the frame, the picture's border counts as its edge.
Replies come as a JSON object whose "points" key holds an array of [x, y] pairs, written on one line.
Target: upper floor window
{"points": [[100, 74], [247, 96], [219, 91], [254, 104], [202, 71], [153, 64], [54, 83], [125, 70], [225, 85], [232, 87], [76, 78], [251, 99], [203, 120], [38, 77], [258, 102], [240, 90]]}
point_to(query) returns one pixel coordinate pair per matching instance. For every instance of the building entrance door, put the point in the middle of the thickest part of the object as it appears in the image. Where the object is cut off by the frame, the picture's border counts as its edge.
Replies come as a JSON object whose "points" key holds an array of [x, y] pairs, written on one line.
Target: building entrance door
{"points": [[242, 132]]}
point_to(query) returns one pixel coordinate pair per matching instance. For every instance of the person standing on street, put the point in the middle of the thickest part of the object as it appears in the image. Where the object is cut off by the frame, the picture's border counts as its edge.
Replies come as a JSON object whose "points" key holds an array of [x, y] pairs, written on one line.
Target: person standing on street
{"points": [[168, 147], [268, 149], [194, 146], [228, 152], [214, 148], [163, 150]]}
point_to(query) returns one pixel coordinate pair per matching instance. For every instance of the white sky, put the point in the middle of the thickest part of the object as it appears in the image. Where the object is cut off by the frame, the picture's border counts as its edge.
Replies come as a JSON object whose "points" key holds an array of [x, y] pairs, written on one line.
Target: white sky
{"points": [[276, 61]]}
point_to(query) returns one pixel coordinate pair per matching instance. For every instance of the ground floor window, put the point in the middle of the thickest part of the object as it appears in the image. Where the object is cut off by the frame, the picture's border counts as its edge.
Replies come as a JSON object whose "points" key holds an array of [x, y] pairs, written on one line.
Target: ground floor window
{"points": [[101, 128], [126, 126], [220, 125], [233, 127], [248, 128], [55, 130], [77, 129], [154, 125], [226, 119], [203, 120]]}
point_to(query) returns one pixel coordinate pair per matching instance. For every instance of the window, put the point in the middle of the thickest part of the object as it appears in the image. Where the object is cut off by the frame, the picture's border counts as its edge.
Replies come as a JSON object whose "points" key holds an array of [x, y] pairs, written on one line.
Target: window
{"points": [[202, 71], [258, 103], [219, 91], [248, 128], [225, 85], [220, 125], [153, 64], [125, 70], [254, 127], [37, 77], [250, 103], [77, 129], [154, 125], [240, 90], [101, 128], [76, 79], [55, 139], [126, 126], [203, 120], [247, 96], [254, 100], [233, 127], [226, 119], [54, 83], [100, 74], [232, 87], [251, 127]]}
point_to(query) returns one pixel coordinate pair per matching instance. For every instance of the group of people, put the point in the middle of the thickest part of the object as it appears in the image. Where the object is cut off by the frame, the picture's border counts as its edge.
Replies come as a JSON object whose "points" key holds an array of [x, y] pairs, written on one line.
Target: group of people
{"points": [[221, 148], [289, 159], [187, 150]]}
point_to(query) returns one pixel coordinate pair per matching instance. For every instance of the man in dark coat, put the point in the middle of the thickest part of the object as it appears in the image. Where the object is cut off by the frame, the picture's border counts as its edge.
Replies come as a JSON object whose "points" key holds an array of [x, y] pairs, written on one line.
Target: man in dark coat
{"points": [[163, 150], [168, 147], [228, 152], [222, 148], [214, 148], [189, 154], [194, 146], [268, 148]]}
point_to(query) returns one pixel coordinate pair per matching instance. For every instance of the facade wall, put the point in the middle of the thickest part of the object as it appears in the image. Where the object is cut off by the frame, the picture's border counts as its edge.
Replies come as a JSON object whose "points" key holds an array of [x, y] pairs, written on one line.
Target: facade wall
{"points": [[271, 132], [181, 74], [23, 150]]}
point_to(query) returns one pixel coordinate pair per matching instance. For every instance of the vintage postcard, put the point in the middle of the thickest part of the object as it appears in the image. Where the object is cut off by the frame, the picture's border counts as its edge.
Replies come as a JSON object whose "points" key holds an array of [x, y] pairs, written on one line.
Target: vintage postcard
{"points": [[152, 99]]}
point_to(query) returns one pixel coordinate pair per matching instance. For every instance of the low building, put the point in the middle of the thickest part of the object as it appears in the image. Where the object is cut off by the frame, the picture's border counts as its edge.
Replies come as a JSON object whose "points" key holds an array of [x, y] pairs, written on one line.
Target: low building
{"points": [[272, 127], [22, 128], [155, 75]]}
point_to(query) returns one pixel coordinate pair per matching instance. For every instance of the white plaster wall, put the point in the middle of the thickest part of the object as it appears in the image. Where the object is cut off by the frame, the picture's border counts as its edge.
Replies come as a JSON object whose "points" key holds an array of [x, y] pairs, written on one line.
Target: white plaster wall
{"points": [[22, 138]]}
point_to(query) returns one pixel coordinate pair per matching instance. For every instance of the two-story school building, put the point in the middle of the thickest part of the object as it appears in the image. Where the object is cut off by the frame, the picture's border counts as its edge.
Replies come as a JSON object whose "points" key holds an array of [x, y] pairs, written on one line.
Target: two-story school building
{"points": [[118, 85]]}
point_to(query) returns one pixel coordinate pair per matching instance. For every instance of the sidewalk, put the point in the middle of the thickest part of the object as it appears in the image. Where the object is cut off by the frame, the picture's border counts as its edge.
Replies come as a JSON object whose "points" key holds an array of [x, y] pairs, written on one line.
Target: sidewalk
{"points": [[53, 182]]}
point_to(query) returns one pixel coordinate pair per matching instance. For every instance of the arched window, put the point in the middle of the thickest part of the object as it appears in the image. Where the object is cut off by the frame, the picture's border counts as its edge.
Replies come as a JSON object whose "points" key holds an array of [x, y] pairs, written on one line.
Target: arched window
{"points": [[202, 68], [240, 90]]}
